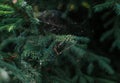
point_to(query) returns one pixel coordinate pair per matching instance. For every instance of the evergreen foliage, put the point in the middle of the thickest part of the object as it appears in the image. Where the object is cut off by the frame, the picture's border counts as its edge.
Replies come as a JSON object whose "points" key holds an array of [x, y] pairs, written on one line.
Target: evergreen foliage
{"points": [[115, 30], [30, 55]]}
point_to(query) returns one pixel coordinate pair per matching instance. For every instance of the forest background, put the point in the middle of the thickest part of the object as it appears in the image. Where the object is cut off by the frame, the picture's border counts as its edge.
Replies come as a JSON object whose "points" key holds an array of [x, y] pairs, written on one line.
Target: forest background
{"points": [[65, 41]]}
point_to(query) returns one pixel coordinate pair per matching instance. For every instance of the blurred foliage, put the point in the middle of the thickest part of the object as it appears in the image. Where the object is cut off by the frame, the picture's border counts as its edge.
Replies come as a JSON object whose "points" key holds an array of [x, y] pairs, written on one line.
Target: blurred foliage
{"points": [[32, 52]]}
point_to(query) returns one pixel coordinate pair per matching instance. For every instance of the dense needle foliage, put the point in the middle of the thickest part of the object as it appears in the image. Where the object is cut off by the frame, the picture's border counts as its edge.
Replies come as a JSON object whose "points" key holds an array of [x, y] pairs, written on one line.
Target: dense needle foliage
{"points": [[65, 41]]}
